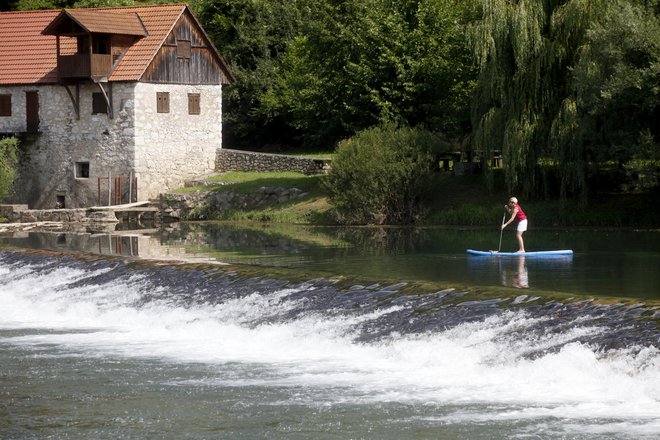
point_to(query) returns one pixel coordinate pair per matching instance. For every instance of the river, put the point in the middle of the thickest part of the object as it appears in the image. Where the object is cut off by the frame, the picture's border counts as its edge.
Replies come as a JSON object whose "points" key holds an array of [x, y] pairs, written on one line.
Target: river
{"points": [[328, 333]]}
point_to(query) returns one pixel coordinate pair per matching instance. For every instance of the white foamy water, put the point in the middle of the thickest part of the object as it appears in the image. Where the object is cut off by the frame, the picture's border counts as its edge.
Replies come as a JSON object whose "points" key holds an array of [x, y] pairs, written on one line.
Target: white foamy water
{"points": [[476, 363]]}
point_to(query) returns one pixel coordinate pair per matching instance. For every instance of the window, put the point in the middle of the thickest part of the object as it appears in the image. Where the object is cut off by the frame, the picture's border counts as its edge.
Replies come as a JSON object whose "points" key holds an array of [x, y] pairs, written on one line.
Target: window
{"points": [[98, 103], [60, 201], [101, 44], [82, 170], [83, 44], [5, 105], [193, 104], [183, 49], [163, 102]]}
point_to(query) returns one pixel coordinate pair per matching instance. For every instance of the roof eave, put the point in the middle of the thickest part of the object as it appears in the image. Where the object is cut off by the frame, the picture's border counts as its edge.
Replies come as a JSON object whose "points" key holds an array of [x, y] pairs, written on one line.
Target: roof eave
{"points": [[50, 29]]}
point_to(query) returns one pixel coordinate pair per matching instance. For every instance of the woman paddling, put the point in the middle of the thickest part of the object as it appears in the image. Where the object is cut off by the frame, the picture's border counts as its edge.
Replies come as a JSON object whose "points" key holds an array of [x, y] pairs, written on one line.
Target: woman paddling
{"points": [[518, 215]]}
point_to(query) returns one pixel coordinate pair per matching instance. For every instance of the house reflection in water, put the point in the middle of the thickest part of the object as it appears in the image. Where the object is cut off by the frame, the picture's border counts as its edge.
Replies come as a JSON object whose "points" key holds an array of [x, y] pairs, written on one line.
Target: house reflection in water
{"points": [[147, 246], [127, 245]]}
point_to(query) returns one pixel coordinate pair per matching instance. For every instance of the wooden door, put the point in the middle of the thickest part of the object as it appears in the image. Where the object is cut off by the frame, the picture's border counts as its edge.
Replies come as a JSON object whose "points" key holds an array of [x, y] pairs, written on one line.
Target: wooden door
{"points": [[32, 111]]}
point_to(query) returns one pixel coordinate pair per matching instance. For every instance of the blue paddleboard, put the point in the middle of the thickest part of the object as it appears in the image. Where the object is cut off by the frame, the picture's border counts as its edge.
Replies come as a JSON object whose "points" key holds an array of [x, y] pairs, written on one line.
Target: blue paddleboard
{"points": [[522, 254]]}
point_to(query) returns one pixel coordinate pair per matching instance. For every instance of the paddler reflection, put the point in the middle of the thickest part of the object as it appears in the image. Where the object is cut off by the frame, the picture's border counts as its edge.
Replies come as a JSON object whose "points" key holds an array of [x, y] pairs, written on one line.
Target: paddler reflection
{"points": [[514, 273]]}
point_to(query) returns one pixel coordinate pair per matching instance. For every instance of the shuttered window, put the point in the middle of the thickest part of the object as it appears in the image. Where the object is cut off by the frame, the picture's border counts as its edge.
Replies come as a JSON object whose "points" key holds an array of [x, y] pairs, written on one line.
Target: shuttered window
{"points": [[163, 102], [98, 104], [183, 49], [193, 104], [5, 105]]}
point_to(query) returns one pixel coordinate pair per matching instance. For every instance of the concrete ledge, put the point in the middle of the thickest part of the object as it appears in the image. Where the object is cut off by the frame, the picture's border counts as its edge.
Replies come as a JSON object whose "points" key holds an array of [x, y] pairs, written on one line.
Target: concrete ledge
{"points": [[19, 214]]}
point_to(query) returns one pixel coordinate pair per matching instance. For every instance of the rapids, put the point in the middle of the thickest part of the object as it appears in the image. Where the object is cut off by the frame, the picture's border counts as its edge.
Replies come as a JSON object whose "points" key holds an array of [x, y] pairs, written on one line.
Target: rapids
{"points": [[446, 363]]}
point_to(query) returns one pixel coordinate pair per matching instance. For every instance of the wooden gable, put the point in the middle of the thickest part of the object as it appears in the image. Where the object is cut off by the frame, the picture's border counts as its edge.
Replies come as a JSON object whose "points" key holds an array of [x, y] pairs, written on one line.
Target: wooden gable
{"points": [[187, 56]]}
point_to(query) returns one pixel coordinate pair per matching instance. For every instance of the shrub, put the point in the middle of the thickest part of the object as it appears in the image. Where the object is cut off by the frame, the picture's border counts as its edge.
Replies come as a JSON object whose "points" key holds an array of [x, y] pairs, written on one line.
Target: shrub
{"points": [[8, 163], [382, 175]]}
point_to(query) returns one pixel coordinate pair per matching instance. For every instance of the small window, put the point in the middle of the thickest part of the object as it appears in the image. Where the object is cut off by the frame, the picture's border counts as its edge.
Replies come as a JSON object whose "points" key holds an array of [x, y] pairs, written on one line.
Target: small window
{"points": [[82, 170], [101, 44], [183, 49], [60, 201], [193, 104], [163, 102], [98, 103], [5, 105]]}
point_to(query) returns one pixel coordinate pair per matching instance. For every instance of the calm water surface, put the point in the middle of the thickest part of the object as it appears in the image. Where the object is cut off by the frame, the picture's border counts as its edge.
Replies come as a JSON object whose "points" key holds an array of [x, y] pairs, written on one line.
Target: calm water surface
{"points": [[117, 348], [608, 263]]}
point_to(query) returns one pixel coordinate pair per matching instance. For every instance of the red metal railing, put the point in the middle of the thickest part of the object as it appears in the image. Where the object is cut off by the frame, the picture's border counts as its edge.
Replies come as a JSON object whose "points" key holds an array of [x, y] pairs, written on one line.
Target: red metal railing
{"points": [[118, 190], [117, 245]]}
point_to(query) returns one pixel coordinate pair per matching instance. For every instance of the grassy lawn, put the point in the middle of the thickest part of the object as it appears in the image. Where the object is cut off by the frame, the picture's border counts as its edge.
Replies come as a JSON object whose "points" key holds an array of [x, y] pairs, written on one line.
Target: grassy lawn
{"points": [[320, 154]]}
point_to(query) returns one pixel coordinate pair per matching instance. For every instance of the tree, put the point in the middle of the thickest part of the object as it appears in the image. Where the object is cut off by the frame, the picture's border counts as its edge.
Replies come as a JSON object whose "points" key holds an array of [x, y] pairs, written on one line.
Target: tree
{"points": [[560, 82], [8, 163], [252, 35], [617, 83], [24, 5], [525, 50], [382, 175], [358, 63]]}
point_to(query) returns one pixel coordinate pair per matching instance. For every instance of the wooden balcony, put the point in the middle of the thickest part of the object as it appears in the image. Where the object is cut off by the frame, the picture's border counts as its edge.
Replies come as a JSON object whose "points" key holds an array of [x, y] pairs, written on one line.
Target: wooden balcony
{"points": [[84, 65]]}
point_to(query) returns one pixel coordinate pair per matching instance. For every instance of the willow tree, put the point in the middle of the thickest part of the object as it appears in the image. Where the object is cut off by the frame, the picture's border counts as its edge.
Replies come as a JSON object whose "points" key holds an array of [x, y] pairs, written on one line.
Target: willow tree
{"points": [[525, 104]]}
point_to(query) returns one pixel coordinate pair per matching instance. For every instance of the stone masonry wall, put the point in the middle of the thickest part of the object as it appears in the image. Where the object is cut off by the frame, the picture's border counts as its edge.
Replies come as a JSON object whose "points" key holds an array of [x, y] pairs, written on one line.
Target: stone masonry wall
{"points": [[204, 205], [235, 160], [173, 147], [162, 150], [105, 143], [21, 214]]}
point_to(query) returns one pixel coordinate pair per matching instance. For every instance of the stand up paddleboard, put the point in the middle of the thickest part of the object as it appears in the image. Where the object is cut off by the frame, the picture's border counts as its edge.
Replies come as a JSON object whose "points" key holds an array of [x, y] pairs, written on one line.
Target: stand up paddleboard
{"points": [[521, 254]]}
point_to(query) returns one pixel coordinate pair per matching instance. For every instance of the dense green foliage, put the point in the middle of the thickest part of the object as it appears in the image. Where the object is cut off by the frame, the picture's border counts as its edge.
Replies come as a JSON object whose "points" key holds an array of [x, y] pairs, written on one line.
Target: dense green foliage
{"points": [[567, 90], [572, 83], [8, 164], [382, 175], [358, 63], [313, 72], [252, 35], [25, 5]]}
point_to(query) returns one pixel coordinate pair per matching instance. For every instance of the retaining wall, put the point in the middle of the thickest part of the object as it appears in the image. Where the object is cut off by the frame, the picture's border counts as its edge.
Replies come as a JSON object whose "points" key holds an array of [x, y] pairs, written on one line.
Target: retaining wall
{"points": [[236, 160], [203, 205], [20, 214]]}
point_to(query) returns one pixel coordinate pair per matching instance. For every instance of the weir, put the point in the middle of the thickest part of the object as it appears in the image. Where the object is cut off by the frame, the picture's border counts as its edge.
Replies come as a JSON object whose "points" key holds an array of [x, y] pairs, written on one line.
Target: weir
{"points": [[191, 348]]}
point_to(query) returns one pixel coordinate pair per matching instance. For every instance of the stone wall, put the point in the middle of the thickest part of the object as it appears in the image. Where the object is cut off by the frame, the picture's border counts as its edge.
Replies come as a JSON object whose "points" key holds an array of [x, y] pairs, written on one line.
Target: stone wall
{"points": [[20, 214], [204, 205], [173, 147], [162, 150], [63, 140], [235, 160]]}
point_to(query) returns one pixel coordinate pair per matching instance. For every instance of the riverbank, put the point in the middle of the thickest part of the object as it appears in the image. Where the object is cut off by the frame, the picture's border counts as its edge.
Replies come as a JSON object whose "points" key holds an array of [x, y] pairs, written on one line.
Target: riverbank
{"points": [[459, 201]]}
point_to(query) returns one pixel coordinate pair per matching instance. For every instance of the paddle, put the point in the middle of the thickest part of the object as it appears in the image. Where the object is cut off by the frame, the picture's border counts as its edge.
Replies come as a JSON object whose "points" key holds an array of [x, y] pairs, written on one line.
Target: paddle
{"points": [[501, 230]]}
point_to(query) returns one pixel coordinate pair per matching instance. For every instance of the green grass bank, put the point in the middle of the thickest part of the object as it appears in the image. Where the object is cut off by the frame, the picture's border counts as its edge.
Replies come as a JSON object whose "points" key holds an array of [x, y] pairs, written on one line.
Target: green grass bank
{"points": [[457, 201]]}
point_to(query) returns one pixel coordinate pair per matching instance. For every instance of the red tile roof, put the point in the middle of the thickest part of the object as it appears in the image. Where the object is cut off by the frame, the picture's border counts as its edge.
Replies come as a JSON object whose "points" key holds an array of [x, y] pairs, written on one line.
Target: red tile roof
{"points": [[109, 22], [28, 57]]}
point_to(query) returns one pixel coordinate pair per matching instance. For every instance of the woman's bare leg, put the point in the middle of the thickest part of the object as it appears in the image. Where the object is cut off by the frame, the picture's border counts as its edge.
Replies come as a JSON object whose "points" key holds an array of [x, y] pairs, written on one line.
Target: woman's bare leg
{"points": [[521, 243]]}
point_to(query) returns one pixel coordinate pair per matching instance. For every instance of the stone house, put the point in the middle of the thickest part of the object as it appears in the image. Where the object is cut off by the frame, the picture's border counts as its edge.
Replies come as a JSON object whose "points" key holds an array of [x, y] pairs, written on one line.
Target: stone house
{"points": [[113, 105]]}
